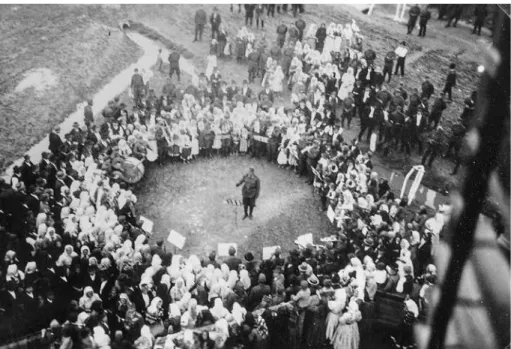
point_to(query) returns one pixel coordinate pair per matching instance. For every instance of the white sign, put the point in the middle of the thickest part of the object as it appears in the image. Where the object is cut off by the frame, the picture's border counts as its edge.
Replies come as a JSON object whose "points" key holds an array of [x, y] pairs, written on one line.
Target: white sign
{"points": [[176, 239], [147, 224], [223, 248], [304, 240], [269, 251], [330, 214]]}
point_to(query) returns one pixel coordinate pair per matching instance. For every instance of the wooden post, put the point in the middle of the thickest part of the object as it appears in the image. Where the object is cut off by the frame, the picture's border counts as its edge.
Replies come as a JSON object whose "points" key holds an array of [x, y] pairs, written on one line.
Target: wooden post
{"points": [[370, 10], [398, 8], [403, 10]]}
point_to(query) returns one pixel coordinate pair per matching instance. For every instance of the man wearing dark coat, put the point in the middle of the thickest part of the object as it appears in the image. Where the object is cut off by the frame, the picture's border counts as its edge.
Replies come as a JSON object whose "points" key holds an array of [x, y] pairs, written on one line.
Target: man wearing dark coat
{"points": [[480, 14], [200, 22], [174, 65], [300, 25], [215, 21], [27, 169], [137, 87], [249, 14], [281, 34], [455, 12], [414, 14], [321, 36], [55, 140], [424, 17], [250, 191]]}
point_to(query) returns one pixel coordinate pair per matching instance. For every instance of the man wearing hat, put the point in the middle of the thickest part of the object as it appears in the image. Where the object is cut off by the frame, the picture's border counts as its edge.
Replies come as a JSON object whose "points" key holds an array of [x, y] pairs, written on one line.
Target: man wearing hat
{"points": [[250, 191], [401, 52]]}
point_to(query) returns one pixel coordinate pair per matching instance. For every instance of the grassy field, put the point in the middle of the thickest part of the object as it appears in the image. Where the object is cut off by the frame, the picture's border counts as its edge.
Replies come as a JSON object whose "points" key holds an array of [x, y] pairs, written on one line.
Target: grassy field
{"points": [[189, 199], [76, 44]]}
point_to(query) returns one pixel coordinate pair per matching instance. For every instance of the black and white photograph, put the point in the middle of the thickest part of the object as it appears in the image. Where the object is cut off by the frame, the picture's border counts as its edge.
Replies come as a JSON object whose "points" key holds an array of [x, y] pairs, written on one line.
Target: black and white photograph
{"points": [[255, 176]]}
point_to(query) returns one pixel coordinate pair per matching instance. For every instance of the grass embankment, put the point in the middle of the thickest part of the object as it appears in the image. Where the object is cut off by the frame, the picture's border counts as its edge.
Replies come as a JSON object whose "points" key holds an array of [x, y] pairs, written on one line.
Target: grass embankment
{"points": [[81, 52]]}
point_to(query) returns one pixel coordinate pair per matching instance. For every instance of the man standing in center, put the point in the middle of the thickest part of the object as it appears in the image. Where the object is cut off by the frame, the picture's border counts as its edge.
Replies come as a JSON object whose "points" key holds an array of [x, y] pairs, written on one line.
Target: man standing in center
{"points": [[250, 191]]}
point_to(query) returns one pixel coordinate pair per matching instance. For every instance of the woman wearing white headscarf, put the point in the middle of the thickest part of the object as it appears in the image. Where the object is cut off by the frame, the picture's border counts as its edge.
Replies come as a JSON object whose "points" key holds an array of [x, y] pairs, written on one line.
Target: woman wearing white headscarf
{"points": [[191, 315], [310, 37], [88, 298], [330, 38], [335, 307], [177, 292], [347, 335], [154, 312], [146, 339], [276, 81], [348, 80], [245, 279], [219, 311], [233, 278]]}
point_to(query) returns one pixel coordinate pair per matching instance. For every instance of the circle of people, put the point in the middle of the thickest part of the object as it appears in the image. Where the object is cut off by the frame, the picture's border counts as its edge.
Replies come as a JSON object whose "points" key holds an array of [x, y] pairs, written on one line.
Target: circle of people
{"points": [[77, 259]]}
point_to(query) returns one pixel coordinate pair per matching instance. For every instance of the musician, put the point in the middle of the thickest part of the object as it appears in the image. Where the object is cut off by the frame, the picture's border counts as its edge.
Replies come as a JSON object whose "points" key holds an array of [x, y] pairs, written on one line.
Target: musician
{"points": [[250, 191], [161, 141]]}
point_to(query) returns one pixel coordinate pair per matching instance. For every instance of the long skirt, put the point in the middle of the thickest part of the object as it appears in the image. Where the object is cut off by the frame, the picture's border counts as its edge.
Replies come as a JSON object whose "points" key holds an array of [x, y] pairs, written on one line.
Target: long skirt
{"points": [[195, 147], [346, 336], [282, 158], [331, 324], [243, 145]]}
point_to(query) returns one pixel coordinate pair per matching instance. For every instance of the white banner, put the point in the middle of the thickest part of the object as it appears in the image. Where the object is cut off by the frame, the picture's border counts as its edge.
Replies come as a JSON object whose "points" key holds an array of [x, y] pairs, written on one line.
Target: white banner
{"points": [[176, 239]]}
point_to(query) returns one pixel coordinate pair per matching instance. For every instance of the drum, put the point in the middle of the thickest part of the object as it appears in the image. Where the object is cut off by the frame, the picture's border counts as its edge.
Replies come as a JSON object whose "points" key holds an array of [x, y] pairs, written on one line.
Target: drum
{"points": [[133, 170]]}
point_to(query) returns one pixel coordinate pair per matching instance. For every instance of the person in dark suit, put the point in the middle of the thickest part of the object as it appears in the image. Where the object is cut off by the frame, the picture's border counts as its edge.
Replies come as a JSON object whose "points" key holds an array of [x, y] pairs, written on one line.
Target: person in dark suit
{"points": [[249, 14], [215, 21], [450, 81], [137, 87], [88, 115], [414, 14], [480, 14], [250, 192], [200, 22], [455, 12], [32, 200], [158, 248], [27, 171], [424, 17], [55, 141], [58, 185], [174, 65], [245, 91]]}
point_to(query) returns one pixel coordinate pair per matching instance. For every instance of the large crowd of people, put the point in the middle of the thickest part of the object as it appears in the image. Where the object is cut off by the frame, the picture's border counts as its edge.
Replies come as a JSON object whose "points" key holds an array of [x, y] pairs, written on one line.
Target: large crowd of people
{"points": [[78, 262]]}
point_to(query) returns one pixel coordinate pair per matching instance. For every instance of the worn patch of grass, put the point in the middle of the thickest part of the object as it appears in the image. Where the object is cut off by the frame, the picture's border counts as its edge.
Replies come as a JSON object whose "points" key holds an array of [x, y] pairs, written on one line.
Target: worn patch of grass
{"points": [[189, 199], [80, 50]]}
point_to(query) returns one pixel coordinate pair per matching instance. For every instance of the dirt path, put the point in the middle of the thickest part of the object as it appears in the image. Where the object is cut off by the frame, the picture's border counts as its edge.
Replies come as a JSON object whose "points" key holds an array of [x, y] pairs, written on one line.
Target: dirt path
{"points": [[116, 86]]}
